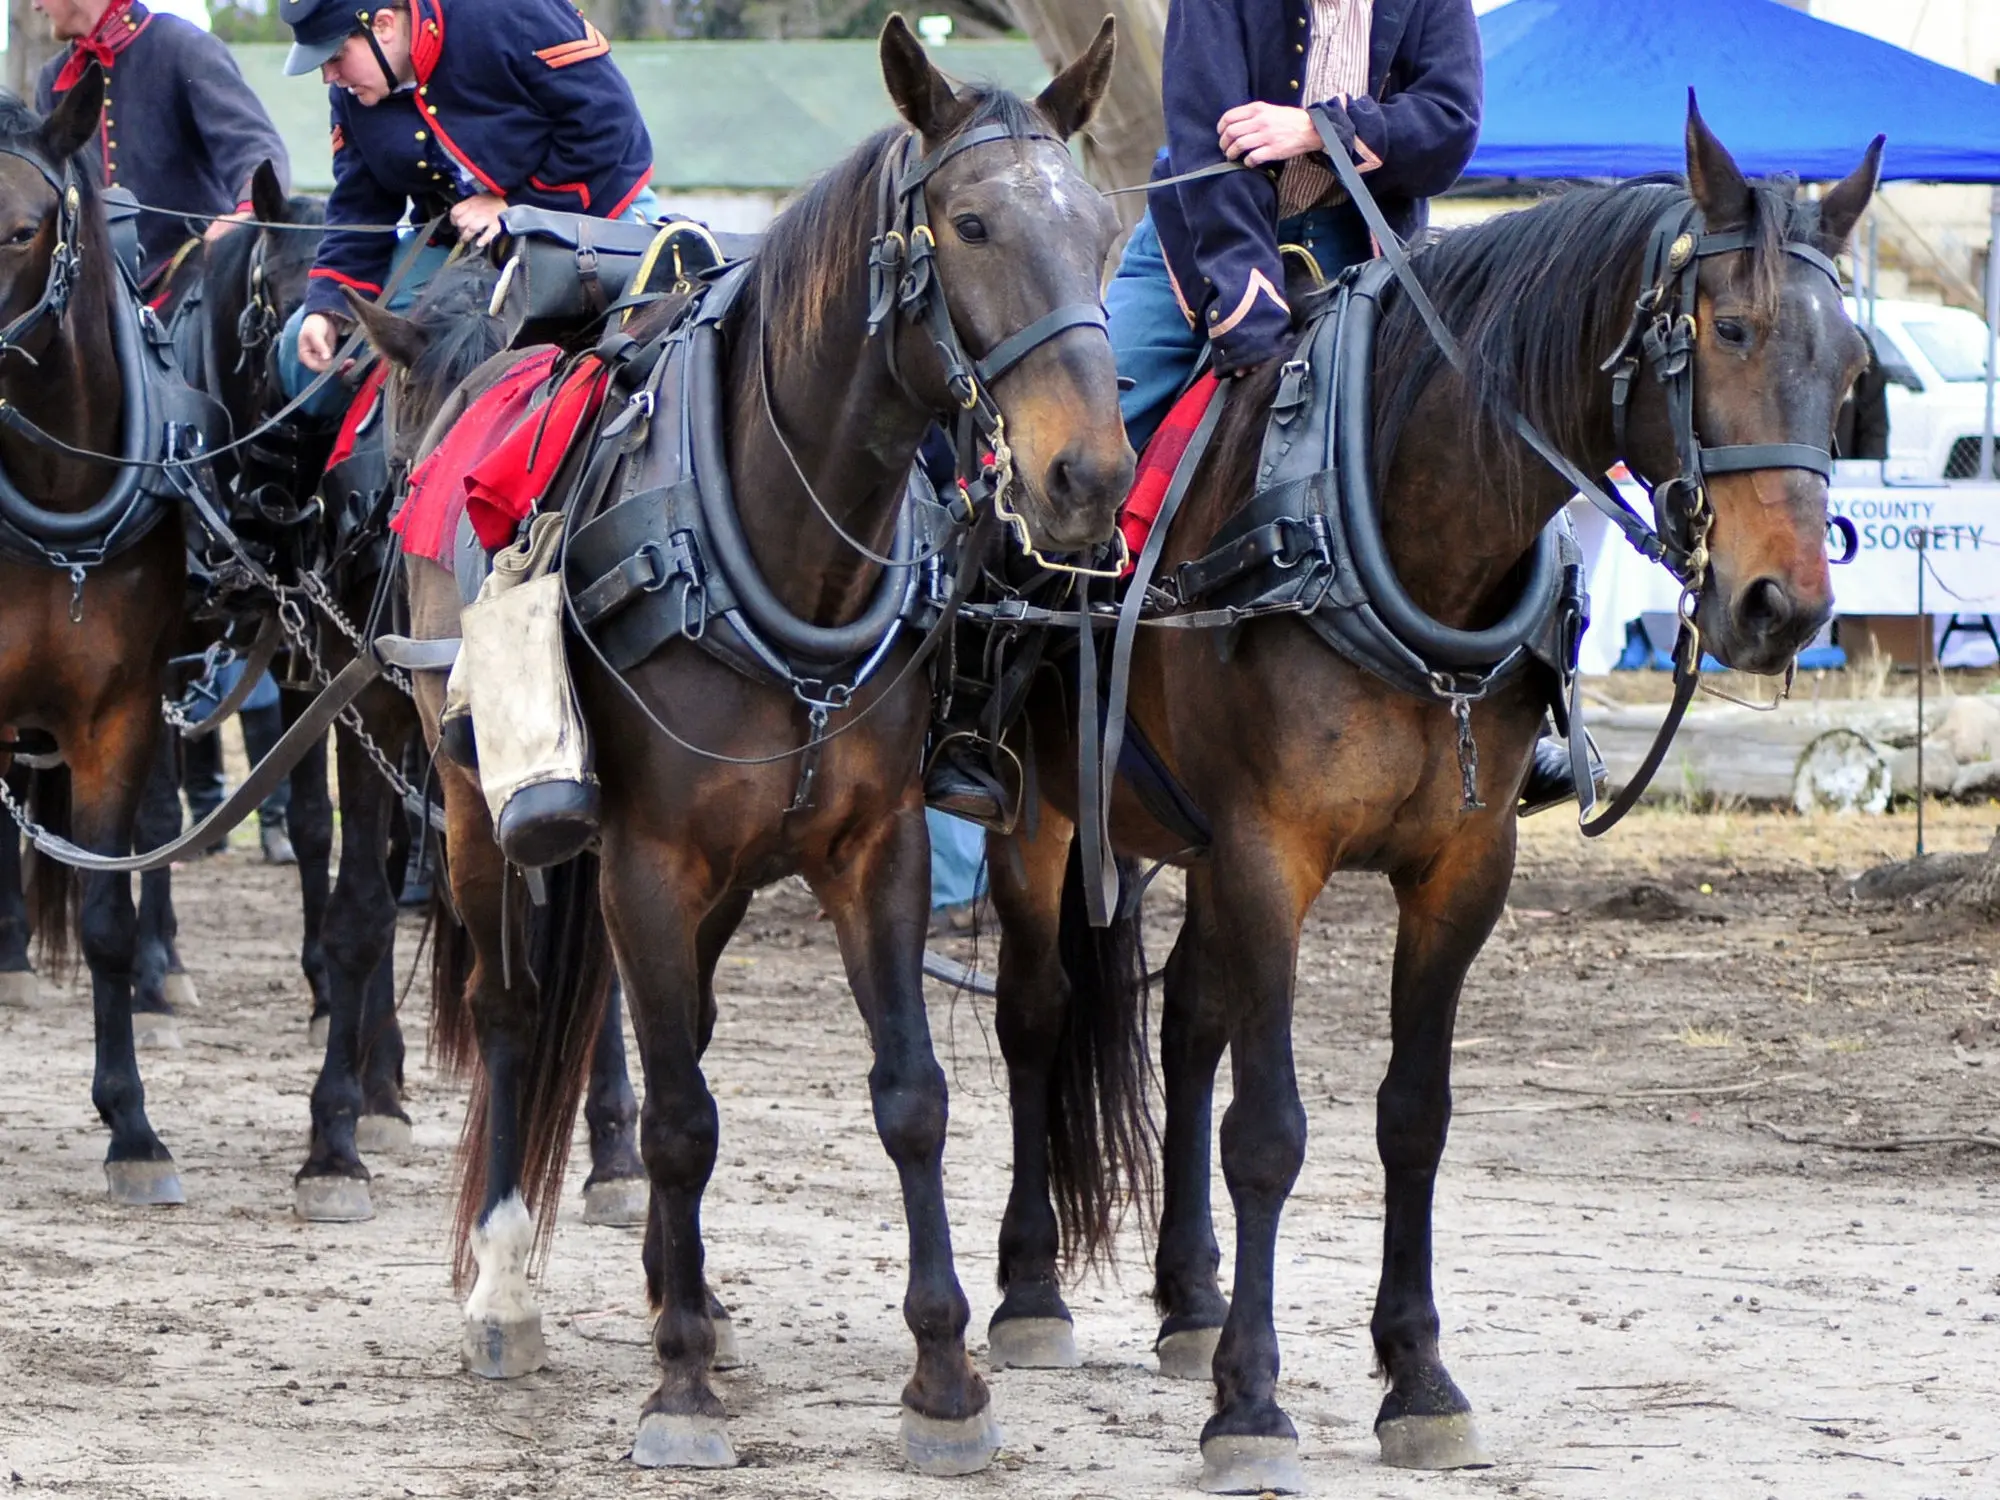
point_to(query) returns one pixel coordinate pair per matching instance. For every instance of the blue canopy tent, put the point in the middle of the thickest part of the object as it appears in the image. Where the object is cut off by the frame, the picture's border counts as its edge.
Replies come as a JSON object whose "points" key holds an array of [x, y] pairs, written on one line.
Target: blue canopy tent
{"points": [[1598, 88]]}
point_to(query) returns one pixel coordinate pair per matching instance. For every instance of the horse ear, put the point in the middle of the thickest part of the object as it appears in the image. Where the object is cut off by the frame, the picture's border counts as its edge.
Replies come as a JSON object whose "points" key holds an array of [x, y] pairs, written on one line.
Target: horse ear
{"points": [[1073, 95], [1720, 190], [267, 195], [1845, 202], [395, 338], [922, 94], [73, 121]]}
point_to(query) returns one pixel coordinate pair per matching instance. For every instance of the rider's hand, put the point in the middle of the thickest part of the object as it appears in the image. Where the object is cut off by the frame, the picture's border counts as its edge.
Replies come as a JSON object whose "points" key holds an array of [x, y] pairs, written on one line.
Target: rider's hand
{"points": [[319, 338], [219, 227], [1259, 133], [477, 219]]}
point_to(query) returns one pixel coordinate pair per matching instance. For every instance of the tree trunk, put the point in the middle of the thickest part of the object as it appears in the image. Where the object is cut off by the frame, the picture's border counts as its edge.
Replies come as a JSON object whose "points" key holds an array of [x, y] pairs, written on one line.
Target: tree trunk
{"points": [[1981, 890], [1120, 144], [30, 43]]}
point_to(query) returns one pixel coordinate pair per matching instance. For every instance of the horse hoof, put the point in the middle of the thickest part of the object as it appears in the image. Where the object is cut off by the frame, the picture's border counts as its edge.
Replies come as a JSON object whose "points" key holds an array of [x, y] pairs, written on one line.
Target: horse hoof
{"points": [[504, 1350], [19, 990], [180, 991], [332, 1200], [1032, 1344], [144, 1184], [1450, 1442], [727, 1355], [1189, 1355], [666, 1442], [622, 1202], [382, 1133], [151, 1028], [947, 1446], [1233, 1465], [318, 1031]]}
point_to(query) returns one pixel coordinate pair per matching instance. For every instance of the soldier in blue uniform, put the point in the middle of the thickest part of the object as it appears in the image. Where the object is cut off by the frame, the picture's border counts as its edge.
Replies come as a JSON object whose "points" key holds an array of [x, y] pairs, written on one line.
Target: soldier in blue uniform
{"points": [[181, 129], [1403, 81], [458, 106]]}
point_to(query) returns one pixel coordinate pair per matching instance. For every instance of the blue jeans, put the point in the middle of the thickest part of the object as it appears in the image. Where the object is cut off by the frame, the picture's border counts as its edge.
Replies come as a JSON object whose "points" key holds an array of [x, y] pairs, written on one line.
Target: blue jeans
{"points": [[958, 859], [331, 399], [1155, 345]]}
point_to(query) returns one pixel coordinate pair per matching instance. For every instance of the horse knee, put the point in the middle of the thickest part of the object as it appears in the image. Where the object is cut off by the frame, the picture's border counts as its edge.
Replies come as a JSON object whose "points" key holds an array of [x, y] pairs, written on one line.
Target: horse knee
{"points": [[910, 1112], [678, 1140], [1410, 1126], [109, 930], [1263, 1145]]}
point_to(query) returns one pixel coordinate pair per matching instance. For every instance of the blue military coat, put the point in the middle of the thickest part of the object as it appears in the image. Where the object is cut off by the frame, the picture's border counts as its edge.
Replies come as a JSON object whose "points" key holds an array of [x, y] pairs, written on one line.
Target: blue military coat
{"points": [[514, 97], [1418, 126], [180, 126]]}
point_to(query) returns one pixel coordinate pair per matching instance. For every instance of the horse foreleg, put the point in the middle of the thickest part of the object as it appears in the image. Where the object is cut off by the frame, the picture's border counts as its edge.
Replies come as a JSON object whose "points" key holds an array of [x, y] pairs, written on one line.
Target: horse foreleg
{"points": [[1032, 1326], [661, 946], [1194, 1031], [157, 822], [1246, 908], [18, 986], [879, 899], [309, 825], [332, 1186], [616, 1190], [108, 768], [1425, 1422]]}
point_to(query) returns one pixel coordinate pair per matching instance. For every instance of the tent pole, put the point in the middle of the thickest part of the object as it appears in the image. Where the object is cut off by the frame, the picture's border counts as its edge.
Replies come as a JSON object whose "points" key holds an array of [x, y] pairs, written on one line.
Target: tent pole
{"points": [[1992, 333]]}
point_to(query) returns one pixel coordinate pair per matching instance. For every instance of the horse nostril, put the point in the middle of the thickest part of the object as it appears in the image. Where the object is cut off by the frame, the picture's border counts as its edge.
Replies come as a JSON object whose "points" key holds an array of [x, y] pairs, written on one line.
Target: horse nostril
{"points": [[1765, 608], [1081, 476]]}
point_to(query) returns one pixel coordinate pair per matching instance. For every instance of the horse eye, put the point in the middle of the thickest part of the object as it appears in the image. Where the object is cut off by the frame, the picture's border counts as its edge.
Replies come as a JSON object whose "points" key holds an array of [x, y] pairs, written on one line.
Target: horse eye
{"points": [[971, 228], [24, 236], [1730, 331]]}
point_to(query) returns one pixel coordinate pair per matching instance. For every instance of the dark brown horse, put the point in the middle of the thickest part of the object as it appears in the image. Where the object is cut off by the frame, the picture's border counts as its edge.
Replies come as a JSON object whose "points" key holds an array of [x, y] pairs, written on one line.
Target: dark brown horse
{"points": [[686, 840], [1303, 765], [82, 652]]}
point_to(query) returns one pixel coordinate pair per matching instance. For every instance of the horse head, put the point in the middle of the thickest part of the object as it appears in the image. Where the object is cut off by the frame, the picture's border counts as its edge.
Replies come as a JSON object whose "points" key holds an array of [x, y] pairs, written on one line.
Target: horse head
{"points": [[1774, 354], [447, 335], [45, 206], [1020, 234]]}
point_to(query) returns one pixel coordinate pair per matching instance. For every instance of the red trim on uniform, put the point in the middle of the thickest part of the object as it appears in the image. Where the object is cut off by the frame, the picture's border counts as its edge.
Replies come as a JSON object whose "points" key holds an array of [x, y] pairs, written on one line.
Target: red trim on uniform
{"points": [[445, 140], [618, 209], [578, 188], [245, 206], [426, 37], [327, 273]]}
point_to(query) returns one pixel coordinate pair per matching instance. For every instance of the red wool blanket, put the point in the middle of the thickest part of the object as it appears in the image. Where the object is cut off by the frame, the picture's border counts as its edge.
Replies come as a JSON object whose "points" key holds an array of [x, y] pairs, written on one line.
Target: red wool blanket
{"points": [[1157, 464], [499, 458], [366, 396]]}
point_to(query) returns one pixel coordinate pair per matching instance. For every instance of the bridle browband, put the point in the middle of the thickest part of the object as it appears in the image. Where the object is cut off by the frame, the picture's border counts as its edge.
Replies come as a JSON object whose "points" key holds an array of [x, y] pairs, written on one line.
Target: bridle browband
{"points": [[65, 261], [903, 282], [1661, 336]]}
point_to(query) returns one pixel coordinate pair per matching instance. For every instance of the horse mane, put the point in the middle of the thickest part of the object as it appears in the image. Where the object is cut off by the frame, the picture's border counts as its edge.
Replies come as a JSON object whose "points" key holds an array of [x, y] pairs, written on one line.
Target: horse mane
{"points": [[815, 248], [1537, 298], [459, 334]]}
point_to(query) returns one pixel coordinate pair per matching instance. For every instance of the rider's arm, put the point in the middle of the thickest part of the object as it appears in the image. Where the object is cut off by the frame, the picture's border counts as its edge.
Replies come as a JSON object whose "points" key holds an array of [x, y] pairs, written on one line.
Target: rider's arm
{"points": [[1232, 218], [229, 118], [1416, 141], [360, 261], [599, 155]]}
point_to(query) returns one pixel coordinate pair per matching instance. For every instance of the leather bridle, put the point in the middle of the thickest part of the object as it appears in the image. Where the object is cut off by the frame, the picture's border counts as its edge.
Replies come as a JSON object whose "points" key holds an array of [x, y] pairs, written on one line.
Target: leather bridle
{"points": [[65, 261], [903, 283], [1661, 336]]}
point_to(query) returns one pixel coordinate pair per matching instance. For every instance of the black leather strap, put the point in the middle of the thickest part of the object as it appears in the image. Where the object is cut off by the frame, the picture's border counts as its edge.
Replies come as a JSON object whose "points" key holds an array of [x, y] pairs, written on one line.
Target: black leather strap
{"points": [[1687, 673], [1018, 346], [1740, 458]]}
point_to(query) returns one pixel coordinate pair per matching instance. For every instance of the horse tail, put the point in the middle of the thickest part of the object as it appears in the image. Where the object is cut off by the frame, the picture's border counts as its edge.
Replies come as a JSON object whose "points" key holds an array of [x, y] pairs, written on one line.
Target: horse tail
{"points": [[453, 1048], [1101, 1134], [563, 945], [53, 889]]}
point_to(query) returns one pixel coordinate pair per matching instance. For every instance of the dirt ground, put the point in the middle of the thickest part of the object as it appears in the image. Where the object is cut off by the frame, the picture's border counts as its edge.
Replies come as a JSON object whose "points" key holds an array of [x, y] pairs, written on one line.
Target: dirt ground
{"points": [[1649, 1286]]}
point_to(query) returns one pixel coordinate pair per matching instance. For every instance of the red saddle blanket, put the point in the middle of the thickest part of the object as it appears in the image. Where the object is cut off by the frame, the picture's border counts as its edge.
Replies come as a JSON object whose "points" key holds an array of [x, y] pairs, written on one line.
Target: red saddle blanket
{"points": [[1163, 455], [499, 458], [366, 396]]}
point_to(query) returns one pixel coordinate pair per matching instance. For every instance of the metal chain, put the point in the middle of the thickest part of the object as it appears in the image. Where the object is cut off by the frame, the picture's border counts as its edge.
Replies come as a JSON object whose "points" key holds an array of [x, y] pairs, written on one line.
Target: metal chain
{"points": [[292, 618]]}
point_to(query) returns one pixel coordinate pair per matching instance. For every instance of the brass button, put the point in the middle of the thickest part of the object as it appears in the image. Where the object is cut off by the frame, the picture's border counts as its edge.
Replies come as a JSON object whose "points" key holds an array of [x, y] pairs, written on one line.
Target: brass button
{"points": [[422, 136]]}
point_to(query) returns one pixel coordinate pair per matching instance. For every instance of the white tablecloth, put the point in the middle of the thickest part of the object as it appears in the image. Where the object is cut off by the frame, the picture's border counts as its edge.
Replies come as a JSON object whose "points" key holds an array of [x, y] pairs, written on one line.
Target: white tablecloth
{"points": [[1950, 531]]}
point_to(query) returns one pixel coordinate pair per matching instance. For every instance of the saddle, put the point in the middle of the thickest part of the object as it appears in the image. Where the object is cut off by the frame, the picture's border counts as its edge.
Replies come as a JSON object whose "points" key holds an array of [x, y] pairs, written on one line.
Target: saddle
{"points": [[569, 268]]}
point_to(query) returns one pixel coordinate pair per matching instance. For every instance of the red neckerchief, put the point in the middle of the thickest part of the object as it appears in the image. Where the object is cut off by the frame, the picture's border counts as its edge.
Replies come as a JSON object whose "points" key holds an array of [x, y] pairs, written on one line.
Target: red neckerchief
{"points": [[111, 35]]}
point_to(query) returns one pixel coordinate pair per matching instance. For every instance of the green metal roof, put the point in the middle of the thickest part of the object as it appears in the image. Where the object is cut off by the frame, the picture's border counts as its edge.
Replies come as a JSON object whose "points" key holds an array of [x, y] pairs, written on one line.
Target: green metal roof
{"points": [[734, 116]]}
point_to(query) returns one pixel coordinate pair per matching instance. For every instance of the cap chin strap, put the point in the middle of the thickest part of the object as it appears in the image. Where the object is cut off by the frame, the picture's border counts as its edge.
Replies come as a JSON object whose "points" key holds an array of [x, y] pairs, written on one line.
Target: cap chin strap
{"points": [[367, 19]]}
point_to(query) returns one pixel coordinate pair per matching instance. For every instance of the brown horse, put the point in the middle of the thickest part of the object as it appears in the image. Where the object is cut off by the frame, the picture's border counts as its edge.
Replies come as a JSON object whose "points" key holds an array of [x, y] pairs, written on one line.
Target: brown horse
{"points": [[1019, 236], [82, 651], [1304, 765]]}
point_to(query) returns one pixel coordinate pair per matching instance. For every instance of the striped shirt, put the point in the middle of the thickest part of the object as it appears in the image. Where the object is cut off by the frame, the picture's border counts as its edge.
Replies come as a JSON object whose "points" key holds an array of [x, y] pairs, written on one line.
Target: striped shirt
{"points": [[1336, 68]]}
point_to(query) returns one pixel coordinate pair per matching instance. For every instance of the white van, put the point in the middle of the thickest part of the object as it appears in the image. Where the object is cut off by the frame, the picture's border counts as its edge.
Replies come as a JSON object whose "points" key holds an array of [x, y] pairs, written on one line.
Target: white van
{"points": [[1935, 358]]}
